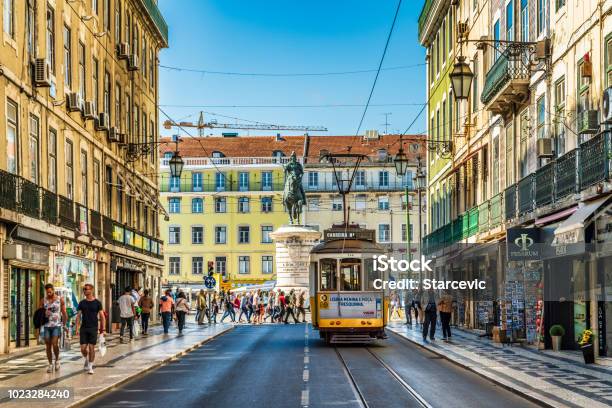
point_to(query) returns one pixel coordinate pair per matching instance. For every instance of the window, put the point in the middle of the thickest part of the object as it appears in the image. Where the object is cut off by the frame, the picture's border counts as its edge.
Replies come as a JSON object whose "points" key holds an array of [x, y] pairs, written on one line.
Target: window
{"points": [[244, 232], [128, 117], [475, 94], [175, 184], [266, 180], [360, 202], [174, 205], [541, 16], [243, 181], [51, 37], [174, 265], [383, 178], [52, 161], [197, 205], [313, 179], [107, 93], [117, 21], [383, 203], [559, 4], [9, 17], [118, 105], [524, 138], [197, 234], [384, 232], [509, 154], [524, 20], [266, 264], [220, 235], [69, 169], [243, 204], [196, 181], [409, 180], [128, 209], [541, 117], [337, 204], [266, 204], [119, 199], [96, 175], [328, 274], [84, 177], [495, 167], [220, 204], [95, 85], [144, 57], [244, 265], [67, 58], [220, 181], [265, 234], [107, 14], [443, 41], [94, 7], [360, 179], [151, 67], [174, 234], [496, 39], [444, 124], [559, 120], [82, 70], [404, 237], [136, 130], [510, 21], [197, 265], [34, 143], [221, 265], [350, 271], [608, 64], [313, 203], [109, 191]]}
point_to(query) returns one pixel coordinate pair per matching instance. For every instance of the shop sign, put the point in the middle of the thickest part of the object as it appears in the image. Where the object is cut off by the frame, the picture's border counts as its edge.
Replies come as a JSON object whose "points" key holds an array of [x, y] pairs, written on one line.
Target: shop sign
{"points": [[147, 244], [129, 237], [83, 225], [118, 233], [138, 241], [522, 244], [72, 248], [26, 253], [124, 263]]}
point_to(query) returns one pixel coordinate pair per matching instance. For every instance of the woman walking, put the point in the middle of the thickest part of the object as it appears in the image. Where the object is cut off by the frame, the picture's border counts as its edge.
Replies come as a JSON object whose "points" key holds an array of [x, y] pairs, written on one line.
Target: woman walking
{"points": [[146, 305], [182, 308]]}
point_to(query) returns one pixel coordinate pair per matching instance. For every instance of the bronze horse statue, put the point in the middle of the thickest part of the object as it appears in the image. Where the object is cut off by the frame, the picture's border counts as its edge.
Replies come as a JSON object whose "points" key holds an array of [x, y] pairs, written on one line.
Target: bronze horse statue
{"points": [[293, 198]]}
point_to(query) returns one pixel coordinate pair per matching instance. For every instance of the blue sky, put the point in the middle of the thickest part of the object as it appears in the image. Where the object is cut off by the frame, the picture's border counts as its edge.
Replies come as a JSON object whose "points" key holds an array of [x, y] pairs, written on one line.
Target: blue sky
{"points": [[274, 36]]}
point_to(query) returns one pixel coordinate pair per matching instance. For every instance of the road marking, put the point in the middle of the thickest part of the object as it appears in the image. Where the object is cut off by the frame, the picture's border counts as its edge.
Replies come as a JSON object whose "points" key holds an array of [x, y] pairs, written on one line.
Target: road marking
{"points": [[305, 398], [305, 375], [306, 349], [306, 359]]}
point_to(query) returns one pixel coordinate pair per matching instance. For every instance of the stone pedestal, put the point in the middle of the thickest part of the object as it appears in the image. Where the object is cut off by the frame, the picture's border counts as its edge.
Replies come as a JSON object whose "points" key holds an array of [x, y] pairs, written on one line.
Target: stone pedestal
{"points": [[293, 245]]}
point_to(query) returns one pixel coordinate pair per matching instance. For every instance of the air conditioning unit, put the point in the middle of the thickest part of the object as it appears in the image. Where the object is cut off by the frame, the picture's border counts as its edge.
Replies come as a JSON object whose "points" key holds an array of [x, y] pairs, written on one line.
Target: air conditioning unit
{"points": [[123, 50], [42, 72], [586, 69], [545, 147], [462, 30], [588, 122], [103, 122], [606, 100], [484, 40], [113, 135], [121, 140], [133, 63], [88, 110], [73, 102]]}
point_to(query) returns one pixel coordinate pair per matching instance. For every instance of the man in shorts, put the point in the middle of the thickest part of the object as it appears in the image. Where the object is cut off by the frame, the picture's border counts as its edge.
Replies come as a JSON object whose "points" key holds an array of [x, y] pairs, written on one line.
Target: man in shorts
{"points": [[91, 316]]}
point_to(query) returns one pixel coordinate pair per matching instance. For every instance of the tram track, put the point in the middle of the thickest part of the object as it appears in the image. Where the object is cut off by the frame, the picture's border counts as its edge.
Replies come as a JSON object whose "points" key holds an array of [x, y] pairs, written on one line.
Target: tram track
{"points": [[362, 394]]}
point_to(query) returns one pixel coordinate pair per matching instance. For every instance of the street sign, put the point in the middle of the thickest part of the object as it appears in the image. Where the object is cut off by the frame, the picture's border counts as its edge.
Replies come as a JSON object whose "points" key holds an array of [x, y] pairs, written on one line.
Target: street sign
{"points": [[209, 282]]}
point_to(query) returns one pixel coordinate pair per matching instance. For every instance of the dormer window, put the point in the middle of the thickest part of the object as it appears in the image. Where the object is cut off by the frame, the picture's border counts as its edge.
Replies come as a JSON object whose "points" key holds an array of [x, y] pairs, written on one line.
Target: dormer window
{"points": [[278, 153], [217, 154], [382, 154]]}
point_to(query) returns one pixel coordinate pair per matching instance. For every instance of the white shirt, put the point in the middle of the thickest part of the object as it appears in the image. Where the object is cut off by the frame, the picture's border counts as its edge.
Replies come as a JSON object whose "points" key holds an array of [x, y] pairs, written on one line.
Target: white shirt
{"points": [[125, 306]]}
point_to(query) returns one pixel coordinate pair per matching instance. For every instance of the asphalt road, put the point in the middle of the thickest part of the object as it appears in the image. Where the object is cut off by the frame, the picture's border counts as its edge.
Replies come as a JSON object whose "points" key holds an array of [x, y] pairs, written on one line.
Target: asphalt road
{"points": [[284, 366]]}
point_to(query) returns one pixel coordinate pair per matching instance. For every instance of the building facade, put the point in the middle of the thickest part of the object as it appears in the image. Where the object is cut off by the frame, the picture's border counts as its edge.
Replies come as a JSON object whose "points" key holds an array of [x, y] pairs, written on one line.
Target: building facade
{"points": [[78, 86], [532, 156]]}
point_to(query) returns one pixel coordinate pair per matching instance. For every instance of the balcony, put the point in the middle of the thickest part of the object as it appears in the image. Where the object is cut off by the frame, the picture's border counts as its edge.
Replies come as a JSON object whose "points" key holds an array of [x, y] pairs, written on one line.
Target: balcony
{"points": [[595, 155], [8, 191], [496, 210], [484, 216], [544, 184], [526, 195], [157, 19], [66, 213], [49, 206], [510, 201], [331, 187], [507, 82], [96, 224], [566, 172], [107, 229], [29, 198], [214, 162]]}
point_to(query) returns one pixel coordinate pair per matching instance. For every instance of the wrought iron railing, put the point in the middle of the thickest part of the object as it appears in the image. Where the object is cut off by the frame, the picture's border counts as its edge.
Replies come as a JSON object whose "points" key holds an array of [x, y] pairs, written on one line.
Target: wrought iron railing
{"points": [[510, 65], [107, 228], [95, 224], [472, 222], [526, 195], [566, 171], [29, 198], [49, 206], [595, 156], [544, 184], [483, 216], [496, 210], [8, 190], [66, 213], [510, 202]]}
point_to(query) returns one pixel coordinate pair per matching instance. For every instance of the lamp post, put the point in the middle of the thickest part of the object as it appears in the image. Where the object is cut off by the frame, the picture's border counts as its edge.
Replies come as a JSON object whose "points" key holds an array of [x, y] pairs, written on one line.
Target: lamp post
{"points": [[461, 79], [420, 184], [401, 166]]}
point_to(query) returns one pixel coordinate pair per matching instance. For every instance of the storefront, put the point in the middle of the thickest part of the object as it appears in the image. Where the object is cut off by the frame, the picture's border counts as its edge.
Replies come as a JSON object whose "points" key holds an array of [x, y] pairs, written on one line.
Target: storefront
{"points": [[124, 272]]}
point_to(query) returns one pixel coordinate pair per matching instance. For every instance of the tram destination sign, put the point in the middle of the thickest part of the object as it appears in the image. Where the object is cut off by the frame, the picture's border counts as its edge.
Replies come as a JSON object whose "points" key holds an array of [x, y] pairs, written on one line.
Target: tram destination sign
{"points": [[349, 233]]}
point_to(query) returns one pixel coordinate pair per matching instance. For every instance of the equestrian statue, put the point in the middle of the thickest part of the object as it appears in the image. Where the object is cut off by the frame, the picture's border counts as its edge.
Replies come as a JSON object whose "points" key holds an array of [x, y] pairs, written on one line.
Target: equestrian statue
{"points": [[293, 194]]}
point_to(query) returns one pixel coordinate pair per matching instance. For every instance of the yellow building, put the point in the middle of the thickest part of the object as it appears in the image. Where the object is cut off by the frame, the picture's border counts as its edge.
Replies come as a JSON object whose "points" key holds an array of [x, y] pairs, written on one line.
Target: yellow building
{"points": [[222, 209], [77, 203]]}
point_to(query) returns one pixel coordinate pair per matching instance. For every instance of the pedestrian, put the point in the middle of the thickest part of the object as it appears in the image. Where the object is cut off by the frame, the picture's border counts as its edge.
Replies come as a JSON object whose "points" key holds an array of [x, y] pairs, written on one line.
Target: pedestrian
{"points": [[408, 304], [244, 308], [255, 306], [146, 306], [229, 308], [419, 315], [201, 307], [182, 308], [430, 316], [301, 311], [290, 306], [445, 306], [90, 315], [215, 308], [126, 313], [54, 318], [166, 309], [282, 302], [394, 305]]}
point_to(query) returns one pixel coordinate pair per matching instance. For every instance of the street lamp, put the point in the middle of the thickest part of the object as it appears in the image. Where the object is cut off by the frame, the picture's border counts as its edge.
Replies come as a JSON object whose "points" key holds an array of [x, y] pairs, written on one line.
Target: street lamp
{"points": [[401, 166], [401, 162], [420, 181], [176, 165], [461, 79]]}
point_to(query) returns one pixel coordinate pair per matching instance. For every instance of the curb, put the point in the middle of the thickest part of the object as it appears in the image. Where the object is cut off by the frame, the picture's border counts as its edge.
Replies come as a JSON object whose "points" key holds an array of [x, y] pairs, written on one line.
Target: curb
{"points": [[98, 393], [492, 379]]}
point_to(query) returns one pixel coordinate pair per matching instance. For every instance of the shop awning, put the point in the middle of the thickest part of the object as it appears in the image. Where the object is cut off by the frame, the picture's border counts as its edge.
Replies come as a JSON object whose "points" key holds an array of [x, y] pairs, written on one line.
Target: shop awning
{"points": [[266, 286], [555, 216], [571, 231]]}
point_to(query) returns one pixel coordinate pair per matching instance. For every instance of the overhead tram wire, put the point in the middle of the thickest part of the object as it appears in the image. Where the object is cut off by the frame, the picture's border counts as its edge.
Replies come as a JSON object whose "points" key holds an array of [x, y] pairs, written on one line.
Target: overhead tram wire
{"points": [[382, 59], [332, 105]]}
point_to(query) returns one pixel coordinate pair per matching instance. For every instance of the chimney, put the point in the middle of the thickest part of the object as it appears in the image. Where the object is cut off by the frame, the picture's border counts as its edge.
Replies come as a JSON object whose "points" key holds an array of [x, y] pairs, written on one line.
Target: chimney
{"points": [[371, 135], [279, 138]]}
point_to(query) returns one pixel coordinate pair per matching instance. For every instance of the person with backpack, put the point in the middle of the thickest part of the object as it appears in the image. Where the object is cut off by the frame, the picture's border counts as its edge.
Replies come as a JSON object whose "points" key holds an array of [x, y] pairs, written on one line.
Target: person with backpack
{"points": [[289, 306], [51, 321], [229, 308], [430, 316], [182, 308], [301, 311], [146, 305], [166, 309]]}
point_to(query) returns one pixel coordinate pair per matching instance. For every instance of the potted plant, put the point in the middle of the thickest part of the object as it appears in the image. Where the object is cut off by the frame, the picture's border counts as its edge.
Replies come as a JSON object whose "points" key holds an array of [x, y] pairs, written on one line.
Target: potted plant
{"points": [[586, 345], [556, 333]]}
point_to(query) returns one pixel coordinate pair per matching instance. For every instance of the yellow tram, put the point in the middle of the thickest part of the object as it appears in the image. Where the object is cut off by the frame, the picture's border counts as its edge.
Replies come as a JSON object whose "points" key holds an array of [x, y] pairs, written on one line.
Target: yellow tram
{"points": [[345, 306]]}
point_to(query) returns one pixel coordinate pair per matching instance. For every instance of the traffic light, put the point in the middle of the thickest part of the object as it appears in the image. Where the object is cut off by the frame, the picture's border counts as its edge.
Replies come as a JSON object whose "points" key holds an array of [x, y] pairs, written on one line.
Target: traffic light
{"points": [[211, 268]]}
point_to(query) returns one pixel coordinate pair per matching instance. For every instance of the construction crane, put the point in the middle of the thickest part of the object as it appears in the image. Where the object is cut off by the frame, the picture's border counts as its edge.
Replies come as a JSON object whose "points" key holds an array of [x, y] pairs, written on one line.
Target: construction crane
{"points": [[201, 125]]}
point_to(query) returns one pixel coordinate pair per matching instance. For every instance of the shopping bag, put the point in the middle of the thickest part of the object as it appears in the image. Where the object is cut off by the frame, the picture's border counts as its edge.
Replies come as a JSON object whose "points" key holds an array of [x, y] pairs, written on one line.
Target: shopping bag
{"points": [[65, 341], [136, 328], [102, 345]]}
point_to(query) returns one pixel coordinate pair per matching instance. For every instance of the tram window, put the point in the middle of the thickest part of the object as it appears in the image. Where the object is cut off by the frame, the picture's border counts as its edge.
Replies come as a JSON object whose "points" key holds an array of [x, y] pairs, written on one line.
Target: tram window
{"points": [[370, 273], [350, 274], [328, 274]]}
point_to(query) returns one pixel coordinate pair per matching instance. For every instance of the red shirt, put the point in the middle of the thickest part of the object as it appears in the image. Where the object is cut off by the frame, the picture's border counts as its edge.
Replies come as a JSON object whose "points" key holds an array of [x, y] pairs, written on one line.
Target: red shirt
{"points": [[282, 300]]}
